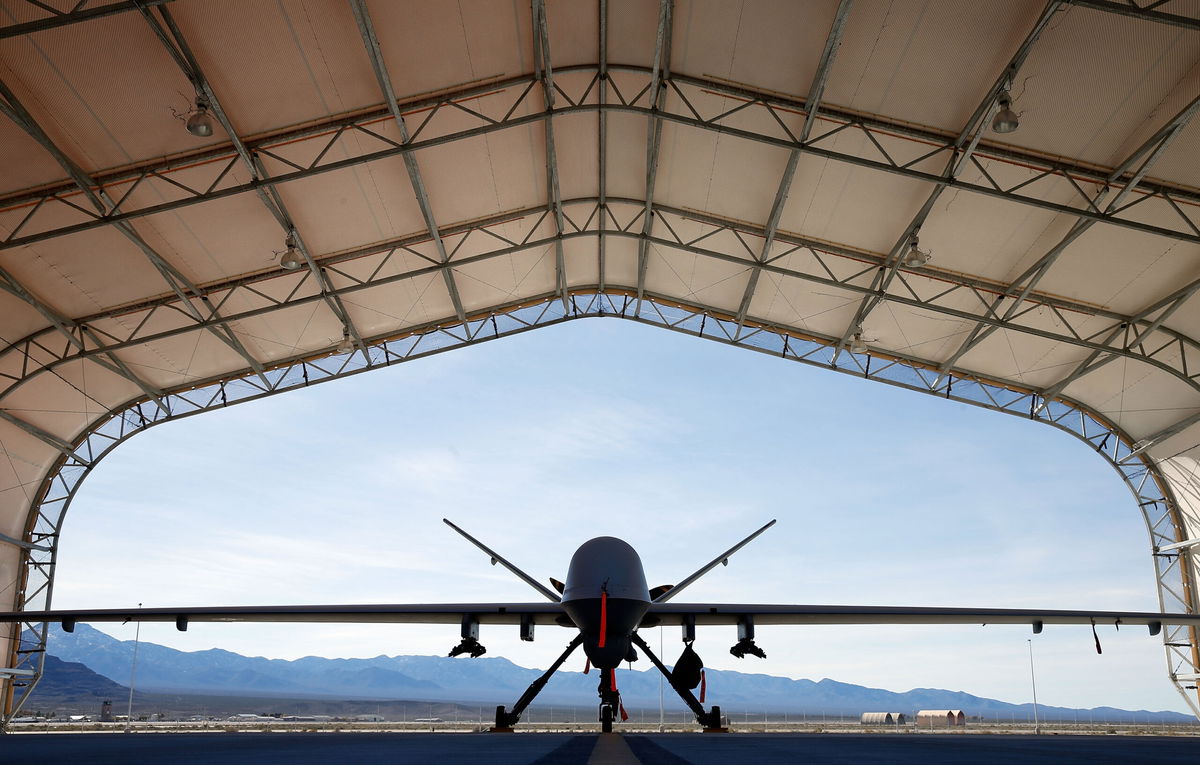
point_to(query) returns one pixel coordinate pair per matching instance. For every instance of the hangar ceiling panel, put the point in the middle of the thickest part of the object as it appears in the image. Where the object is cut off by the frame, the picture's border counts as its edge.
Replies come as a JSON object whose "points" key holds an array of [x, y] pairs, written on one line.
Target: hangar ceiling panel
{"points": [[1077, 49], [92, 103], [69, 272], [1140, 269], [826, 181], [25, 163], [243, 46]]}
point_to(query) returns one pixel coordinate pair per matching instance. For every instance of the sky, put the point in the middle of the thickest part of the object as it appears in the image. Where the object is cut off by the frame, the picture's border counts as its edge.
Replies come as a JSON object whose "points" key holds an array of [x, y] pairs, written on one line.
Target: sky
{"points": [[537, 442]]}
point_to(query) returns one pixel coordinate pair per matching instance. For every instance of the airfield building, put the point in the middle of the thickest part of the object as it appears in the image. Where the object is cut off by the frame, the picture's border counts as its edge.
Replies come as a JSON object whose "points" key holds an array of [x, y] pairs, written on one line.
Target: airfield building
{"points": [[941, 718], [882, 718]]}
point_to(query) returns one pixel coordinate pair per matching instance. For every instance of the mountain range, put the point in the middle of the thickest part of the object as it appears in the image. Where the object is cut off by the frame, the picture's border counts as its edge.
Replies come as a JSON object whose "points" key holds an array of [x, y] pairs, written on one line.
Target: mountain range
{"points": [[499, 681]]}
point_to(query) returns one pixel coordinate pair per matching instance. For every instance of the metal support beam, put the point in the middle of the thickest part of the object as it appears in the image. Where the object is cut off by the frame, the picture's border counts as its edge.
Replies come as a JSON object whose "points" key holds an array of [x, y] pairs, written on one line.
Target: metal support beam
{"points": [[78, 14], [544, 72], [49, 439], [366, 28], [1164, 308], [1149, 12], [328, 293], [1143, 445], [1148, 153], [938, 292], [815, 91], [965, 146], [1184, 545], [104, 204], [172, 39], [602, 151], [6, 539], [1142, 477], [75, 334], [11, 672], [1155, 195], [656, 95]]}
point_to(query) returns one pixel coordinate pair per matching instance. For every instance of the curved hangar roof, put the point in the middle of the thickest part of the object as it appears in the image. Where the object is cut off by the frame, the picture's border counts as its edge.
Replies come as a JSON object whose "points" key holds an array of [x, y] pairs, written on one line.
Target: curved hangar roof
{"points": [[825, 174]]}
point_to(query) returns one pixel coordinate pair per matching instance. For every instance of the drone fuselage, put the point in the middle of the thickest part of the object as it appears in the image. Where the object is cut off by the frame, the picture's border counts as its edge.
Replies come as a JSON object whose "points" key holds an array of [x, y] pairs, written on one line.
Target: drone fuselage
{"points": [[606, 596]]}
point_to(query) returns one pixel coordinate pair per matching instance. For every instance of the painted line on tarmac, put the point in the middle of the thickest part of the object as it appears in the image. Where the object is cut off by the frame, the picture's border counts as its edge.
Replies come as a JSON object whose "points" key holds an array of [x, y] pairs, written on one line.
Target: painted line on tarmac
{"points": [[611, 749]]}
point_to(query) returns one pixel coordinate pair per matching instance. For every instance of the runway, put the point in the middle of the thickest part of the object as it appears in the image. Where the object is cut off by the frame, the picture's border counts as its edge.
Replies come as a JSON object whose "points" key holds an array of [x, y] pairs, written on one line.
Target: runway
{"points": [[594, 749]]}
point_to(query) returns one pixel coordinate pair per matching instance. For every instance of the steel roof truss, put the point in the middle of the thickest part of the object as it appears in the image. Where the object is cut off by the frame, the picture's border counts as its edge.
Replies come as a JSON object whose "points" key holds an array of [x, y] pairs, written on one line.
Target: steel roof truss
{"points": [[47, 438], [1147, 12], [81, 11], [544, 72], [68, 329], [366, 28], [178, 283], [1139, 476], [963, 152], [657, 98], [914, 285], [1019, 290], [1164, 308], [602, 150], [85, 11], [176, 44], [1165, 195], [815, 91]]}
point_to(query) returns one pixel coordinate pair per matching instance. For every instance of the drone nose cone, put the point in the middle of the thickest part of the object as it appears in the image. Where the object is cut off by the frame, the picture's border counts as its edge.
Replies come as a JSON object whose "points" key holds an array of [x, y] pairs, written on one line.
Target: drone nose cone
{"points": [[606, 564]]}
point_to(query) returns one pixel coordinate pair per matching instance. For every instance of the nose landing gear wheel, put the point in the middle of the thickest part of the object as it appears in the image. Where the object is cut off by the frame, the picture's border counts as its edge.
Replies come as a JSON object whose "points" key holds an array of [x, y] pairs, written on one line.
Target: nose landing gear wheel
{"points": [[606, 718]]}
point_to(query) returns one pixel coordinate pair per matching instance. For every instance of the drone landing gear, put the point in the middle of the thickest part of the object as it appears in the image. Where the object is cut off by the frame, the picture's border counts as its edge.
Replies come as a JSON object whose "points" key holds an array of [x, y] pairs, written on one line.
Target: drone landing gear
{"points": [[505, 720], [610, 699], [710, 720]]}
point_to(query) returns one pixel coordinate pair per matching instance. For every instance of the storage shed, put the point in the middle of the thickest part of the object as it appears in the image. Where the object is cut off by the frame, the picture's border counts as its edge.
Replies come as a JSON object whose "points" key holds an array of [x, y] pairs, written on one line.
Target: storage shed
{"points": [[940, 718]]}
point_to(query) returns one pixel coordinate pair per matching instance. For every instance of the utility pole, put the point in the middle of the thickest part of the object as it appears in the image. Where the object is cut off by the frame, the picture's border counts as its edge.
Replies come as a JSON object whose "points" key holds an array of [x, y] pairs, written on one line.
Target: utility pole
{"points": [[137, 635], [1037, 727], [660, 682]]}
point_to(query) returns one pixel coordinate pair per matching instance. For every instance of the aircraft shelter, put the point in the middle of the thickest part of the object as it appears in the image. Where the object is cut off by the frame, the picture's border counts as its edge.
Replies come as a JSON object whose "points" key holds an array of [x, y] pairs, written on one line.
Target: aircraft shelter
{"points": [[203, 203]]}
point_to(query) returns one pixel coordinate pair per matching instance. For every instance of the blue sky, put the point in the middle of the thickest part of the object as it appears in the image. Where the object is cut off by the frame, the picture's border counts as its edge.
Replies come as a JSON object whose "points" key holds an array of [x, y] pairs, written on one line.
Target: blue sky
{"points": [[538, 442]]}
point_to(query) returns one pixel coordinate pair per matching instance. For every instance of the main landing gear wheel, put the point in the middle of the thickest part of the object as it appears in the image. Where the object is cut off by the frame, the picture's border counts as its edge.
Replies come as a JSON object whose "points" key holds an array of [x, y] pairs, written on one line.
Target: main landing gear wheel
{"points": [[606, 718]]}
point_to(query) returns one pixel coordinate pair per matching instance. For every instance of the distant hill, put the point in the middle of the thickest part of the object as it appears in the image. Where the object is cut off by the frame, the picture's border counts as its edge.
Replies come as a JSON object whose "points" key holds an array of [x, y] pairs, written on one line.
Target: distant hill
{"points": [[68, 679], [499, 681]]}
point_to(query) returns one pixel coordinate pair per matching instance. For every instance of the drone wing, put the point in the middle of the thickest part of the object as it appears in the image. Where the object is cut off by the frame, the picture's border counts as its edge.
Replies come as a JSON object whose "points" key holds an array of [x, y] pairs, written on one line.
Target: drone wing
{"points": [[736, 613], [436, 613]]}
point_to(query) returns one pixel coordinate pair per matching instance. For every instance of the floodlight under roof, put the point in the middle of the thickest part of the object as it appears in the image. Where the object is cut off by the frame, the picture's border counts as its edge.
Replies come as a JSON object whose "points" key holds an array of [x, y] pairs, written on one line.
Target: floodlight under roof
{"points": [[200, 124], [292, 257], [915, 257], [857, 343], [1005, 120]]}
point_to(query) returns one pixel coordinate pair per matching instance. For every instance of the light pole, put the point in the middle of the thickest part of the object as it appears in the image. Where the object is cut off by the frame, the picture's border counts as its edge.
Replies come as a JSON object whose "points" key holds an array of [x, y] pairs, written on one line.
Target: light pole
{"points": [[660, 682], [1037, 728], [133, 675]]}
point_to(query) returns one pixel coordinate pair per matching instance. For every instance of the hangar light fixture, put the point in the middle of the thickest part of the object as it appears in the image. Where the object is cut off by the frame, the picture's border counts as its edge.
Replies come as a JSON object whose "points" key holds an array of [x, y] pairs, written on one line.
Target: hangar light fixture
{"points": [[915, 257], [1005, 120], [200, 124], [292, 259], [857, 343], [347, 345]]}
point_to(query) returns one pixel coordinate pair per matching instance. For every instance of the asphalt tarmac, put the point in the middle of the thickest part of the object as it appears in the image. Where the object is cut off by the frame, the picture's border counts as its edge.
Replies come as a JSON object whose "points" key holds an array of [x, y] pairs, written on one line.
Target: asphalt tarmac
{"points": [[614, 749]]}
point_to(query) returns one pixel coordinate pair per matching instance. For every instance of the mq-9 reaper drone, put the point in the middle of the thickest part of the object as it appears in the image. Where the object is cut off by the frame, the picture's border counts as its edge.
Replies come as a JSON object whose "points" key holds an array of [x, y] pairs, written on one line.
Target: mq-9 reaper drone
{"points": [[605, 598]]}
